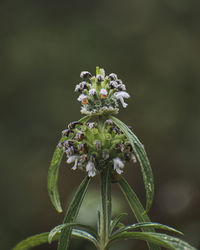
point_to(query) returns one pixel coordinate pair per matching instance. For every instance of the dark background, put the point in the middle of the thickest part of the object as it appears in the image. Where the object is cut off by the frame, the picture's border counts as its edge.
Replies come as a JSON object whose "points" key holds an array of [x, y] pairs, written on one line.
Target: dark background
{"points": [[154, 46]]}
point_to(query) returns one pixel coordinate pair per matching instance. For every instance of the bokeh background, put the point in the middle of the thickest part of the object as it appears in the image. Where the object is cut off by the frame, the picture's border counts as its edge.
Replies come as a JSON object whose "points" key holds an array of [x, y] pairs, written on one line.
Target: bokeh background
{"points": [[154, 47]]}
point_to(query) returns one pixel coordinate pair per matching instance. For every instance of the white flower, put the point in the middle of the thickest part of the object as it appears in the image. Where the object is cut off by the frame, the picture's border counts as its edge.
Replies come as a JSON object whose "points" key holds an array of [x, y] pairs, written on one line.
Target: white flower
{"points": [[113, 84], [118, 165], [133, 158], [81, 86], [73, 158], [91, 125], [81, 97], [103, 92], [121, 95], [92, 92], [90, 168], [77, 88], [122, 87]]}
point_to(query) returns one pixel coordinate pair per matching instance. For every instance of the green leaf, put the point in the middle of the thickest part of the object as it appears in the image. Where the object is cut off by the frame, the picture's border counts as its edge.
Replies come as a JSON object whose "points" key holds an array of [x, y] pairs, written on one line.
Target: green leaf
{"points": [[55, 231], [53, 177], [39, 239], [136, 207], [53, 173], [147, 225], [133, 201], [81, 234], [141, 155], [33, 241], [58, 228], [162, 240], [115, 221], [72, 213]]}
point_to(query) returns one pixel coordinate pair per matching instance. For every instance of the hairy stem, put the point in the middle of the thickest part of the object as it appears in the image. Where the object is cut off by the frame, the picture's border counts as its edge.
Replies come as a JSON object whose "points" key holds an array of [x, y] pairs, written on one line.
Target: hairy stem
{"points": [[106, 207]]}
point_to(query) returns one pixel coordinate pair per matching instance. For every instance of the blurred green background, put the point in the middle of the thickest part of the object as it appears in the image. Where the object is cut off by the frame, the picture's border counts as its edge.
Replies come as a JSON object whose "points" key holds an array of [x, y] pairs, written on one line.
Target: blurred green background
{"points": [[154, 47]]}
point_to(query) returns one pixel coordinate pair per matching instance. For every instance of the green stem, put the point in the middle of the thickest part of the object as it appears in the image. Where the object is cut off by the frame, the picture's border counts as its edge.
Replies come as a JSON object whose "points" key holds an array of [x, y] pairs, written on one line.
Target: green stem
{"points": [[106, 207]]}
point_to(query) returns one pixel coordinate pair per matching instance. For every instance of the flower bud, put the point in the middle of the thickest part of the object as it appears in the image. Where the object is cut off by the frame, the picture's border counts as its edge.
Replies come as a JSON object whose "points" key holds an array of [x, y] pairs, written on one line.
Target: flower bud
{"points": [[83, 158], [85, 74], [129, 147], [113, 84], [121, 146], [73, 124], [68, 143], [133, 158], [99, 78], [105, 155], [91, 125], [81, 86], [119, 81], [83, 148], [121, 87], [127, 156], [112, 76], [70, 151], [109, 122], [98, 145], [79, 136], [116, 130], [92, 92], [92, 158], [66, 132], [60, 145]]}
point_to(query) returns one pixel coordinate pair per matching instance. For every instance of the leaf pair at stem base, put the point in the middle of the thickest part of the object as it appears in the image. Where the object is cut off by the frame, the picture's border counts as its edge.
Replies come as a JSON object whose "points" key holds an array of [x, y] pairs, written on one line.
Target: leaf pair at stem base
{"points": [[69, 230]]}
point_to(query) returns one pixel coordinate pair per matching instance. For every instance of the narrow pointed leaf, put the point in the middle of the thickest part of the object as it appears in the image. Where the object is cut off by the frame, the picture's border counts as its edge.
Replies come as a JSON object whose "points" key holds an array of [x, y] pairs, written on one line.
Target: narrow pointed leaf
{"points": [[33, 241], [39, 239], [98, 72], [115, 221], [141, 155], [102, 72], [58, 228], [72, 213], [136, 207], [53, 173], [120, 225], [55, 231], [147, 225], [162, 240], [81, 234], [53, 177]]}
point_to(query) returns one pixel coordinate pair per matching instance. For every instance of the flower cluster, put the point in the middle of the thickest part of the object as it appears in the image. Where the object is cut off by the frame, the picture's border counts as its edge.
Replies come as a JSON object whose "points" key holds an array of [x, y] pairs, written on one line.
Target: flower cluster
{"points": [[99, 95], [93, 146]]}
